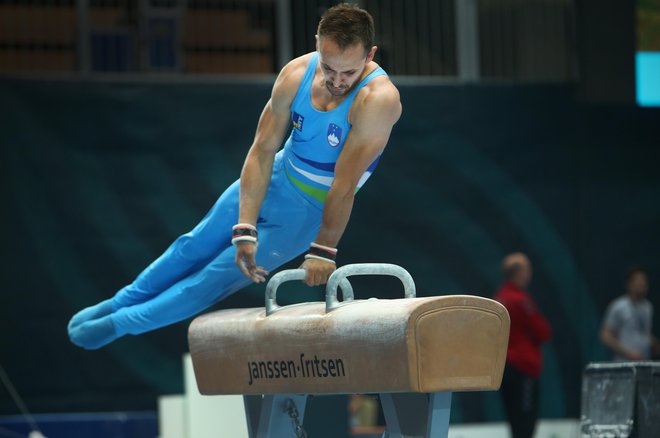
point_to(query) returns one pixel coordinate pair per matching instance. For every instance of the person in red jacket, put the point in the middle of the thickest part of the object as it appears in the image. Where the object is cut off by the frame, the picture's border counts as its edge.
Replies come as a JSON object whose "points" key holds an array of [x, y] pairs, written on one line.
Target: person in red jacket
{"points": [[524, 360]]}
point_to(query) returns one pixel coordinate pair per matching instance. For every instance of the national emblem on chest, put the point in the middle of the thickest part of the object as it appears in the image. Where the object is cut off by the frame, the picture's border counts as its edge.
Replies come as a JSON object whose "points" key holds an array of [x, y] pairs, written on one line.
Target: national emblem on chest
{"points": [[334, 135]]}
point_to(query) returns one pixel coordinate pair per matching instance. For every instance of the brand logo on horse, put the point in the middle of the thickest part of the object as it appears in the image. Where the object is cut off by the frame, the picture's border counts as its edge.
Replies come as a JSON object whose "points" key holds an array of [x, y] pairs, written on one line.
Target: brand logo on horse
{"points": [[334, 135]]}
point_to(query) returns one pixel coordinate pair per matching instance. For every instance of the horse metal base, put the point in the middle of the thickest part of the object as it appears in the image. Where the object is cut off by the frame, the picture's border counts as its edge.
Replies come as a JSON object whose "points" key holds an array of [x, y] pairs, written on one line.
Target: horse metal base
{"points": [[407, 415]]}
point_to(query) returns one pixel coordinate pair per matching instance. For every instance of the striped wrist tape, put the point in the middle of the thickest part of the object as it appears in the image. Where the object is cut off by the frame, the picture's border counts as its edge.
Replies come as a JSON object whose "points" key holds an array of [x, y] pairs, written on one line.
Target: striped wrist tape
{"points": [[321, 252], [244, 233]]}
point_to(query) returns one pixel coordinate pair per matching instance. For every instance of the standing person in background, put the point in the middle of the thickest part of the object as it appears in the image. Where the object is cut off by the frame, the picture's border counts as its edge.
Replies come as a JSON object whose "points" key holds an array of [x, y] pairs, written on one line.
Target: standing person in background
{"points": [[626, 328], [524, 360]]}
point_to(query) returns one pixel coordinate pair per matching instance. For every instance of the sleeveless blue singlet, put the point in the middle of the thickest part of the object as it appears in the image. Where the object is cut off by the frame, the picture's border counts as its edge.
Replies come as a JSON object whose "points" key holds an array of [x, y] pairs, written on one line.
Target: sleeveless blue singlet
{"points": [[317, 139]]}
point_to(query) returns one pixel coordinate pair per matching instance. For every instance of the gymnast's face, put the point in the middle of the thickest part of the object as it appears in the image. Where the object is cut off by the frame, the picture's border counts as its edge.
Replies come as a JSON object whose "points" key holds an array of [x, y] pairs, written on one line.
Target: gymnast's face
{"points": [[341, 68]]}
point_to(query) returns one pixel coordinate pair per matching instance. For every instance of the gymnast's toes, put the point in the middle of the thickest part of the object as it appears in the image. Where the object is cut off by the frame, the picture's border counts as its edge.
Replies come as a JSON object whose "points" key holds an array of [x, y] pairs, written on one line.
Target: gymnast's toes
{"points": [[93, 335], [97, 311]]}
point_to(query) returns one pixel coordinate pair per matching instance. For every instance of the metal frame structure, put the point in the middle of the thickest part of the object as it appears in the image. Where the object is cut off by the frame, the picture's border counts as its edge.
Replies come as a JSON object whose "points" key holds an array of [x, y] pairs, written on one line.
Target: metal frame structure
{"points": [[407, 415]]}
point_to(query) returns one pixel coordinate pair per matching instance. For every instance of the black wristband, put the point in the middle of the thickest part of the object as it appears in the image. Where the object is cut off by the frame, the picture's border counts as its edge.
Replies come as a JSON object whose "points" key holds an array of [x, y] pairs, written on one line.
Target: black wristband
{"points": [[321, 252], [244, 233]]}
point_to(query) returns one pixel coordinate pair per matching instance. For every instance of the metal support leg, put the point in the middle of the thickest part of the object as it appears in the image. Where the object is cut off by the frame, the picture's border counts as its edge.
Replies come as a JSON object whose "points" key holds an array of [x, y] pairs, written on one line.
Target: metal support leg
{"points": [[253, 405], [413, 415], [438, 416], [267, 416], [392, 428]]}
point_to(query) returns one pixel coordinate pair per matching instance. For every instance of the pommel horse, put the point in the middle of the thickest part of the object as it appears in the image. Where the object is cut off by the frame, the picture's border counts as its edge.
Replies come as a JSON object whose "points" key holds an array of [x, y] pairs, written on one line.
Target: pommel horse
{"points": [[413, 352]]}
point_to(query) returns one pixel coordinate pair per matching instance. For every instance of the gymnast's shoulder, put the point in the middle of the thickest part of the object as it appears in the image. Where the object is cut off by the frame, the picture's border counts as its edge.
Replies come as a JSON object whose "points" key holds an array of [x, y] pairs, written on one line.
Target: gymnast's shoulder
{"points": [[380, 96], [290, 77]]}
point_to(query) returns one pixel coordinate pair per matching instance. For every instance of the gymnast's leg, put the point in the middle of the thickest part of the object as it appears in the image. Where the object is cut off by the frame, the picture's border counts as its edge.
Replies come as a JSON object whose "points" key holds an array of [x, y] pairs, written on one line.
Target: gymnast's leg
{"points": [[181, 300], [195, 293], [187, 254]]}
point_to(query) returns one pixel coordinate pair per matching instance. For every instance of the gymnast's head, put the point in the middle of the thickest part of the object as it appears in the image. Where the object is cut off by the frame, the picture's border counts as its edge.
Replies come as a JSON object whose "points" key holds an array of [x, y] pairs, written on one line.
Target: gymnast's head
{"points": [[517, 269], [345, 43]]}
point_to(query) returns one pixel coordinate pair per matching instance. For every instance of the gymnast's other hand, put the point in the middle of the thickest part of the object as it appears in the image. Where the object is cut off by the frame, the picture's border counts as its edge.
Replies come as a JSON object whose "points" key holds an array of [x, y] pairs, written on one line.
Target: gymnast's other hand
{"points": [[246, 260], [318, 271]]}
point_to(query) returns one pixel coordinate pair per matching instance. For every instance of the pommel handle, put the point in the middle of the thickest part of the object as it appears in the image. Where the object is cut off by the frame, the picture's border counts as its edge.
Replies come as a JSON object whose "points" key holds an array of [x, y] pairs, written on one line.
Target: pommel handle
{"points": [[339, 276], [291, 275]]}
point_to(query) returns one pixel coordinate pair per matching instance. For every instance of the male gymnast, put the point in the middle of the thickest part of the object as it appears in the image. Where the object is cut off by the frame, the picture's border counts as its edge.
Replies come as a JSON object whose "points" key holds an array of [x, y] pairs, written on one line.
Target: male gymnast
{"points": [[342, 106]]}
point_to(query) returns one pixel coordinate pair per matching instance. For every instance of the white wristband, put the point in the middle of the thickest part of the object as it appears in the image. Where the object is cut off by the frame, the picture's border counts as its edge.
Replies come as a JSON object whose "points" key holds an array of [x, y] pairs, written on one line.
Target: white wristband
{"points": [[326, 248], [238, 239]]}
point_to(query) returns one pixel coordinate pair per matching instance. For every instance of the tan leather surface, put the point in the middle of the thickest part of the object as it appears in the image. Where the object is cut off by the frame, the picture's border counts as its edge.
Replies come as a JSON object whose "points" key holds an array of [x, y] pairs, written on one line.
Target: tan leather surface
{"points": [[445, 343]]}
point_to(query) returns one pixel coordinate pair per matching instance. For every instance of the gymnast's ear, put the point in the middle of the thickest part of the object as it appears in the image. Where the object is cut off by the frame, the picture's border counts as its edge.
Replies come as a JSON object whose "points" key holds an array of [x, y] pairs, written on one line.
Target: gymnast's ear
{"points": [[370, 55]]}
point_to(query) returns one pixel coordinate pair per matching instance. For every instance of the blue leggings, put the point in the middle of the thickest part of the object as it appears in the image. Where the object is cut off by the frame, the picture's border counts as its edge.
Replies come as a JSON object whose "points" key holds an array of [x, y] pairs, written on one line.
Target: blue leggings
{"points": [[198, 269]]}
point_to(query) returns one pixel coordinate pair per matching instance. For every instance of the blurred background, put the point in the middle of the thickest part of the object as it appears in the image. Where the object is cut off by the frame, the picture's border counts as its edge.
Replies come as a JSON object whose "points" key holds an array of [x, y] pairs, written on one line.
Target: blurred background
{"points": [[527, 126]]}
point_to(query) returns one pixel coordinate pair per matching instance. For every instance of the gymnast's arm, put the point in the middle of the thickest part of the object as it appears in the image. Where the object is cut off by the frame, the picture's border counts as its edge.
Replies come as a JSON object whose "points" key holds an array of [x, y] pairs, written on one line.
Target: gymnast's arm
{"points": [[372, 117], [258, 165]]}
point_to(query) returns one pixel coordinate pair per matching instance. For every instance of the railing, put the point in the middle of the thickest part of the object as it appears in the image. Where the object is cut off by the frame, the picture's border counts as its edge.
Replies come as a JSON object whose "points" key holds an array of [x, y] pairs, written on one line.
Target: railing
{"points": [[458, 39]]}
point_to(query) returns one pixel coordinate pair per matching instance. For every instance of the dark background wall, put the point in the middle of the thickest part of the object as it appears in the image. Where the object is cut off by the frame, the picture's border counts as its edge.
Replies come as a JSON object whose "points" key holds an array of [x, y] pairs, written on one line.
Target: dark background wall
{"points": [[97, 178], [606, 44]]}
